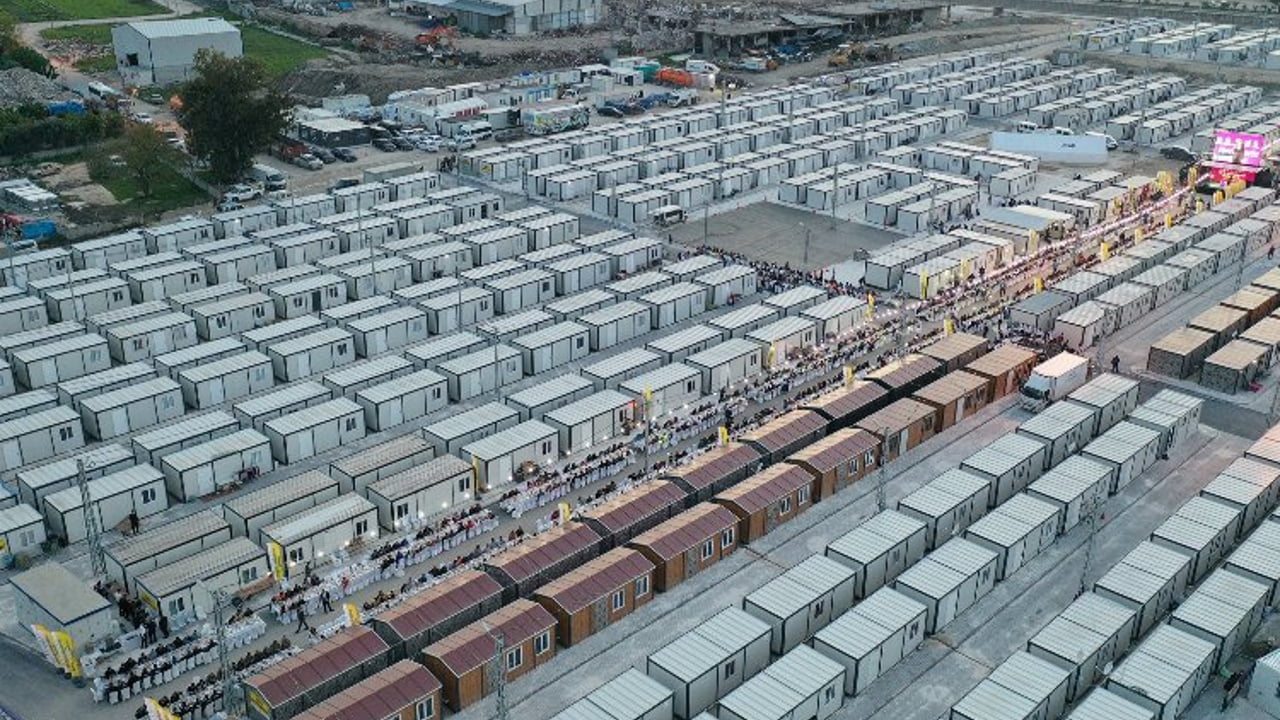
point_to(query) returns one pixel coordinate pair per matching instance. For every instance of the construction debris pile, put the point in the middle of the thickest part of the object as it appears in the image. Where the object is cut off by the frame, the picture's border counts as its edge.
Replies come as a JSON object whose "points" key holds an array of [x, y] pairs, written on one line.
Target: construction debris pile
{"points": [[19, 86]]}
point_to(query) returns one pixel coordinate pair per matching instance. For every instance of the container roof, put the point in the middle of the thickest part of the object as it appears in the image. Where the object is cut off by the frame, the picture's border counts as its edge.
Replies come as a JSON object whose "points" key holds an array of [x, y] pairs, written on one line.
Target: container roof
{"points": [[687, 530], [153, 29], [60, 593], [786, 429], [766, 487], [717, 464], [473, 646], [596, 579], [837, 448], [295, 676], [204, 565], [628, 509], [423, 612], [544, 550], [378, 697], [848, 399]]}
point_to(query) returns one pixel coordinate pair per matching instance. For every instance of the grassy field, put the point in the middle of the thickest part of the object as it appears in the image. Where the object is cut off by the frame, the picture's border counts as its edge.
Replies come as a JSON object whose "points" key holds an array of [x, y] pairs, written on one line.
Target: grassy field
{"points": [[40, 10], [92, 34], [281, 55], [170, 191]]}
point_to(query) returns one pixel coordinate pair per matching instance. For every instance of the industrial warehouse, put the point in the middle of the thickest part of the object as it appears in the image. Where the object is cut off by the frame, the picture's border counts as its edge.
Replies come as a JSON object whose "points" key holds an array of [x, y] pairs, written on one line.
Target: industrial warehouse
{"points": [[555, 433]]}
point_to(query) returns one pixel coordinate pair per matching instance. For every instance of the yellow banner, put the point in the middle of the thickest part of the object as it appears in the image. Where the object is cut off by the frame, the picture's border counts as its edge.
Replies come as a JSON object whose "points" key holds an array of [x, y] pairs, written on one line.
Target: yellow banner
{"points": [[1038, 284], [924, 284], [258, 702], [1168, 220], [1033, 241], [566, 511], [871, 302], [848, 375], [773, 352], [1139, 235], [948, 327], [45, 640], [353, 614], [1192, 176], [648, 395], [1104, 251], [277, 560], [724, 435], [69, 653]]}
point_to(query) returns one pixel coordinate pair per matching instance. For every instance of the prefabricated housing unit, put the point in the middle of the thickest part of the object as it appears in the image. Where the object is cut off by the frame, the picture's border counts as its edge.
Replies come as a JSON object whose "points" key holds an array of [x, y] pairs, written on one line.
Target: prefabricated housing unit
{"points": [[311, 354], [314, 430], [358, 470], [256, 411], [435, 486], [249, 513], [139, 489], [59, 361], [205, 468], [310, 535], [482, 371], [409, 397], [152, 336], [129, 409], [498, 458], [711, 660], [450, 434], [39, 436]]}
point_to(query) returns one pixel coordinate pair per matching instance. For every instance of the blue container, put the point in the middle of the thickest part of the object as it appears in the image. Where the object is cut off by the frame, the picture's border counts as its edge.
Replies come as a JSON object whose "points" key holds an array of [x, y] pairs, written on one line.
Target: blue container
{"points": [[36, 229]]}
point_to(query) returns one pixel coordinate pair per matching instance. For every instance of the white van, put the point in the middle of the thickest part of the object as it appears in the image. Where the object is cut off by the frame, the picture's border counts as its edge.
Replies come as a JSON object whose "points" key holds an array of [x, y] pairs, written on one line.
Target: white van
{"points": [[269, 177], [481, 130], [1059, 130], [1026, 126]]}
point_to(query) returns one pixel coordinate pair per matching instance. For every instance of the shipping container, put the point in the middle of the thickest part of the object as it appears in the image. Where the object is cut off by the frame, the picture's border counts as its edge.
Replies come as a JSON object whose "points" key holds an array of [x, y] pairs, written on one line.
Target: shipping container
{"points": [[59, 361], [255, 412], [152, 446], [147, 338], [227, 379], [450, 434], [506, 456], [249, 513], [314, 430]]}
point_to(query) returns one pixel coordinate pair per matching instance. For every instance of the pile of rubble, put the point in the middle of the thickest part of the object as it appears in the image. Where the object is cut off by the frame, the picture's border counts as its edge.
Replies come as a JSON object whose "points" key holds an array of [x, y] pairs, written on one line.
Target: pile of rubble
{"points": [[19, 86]]}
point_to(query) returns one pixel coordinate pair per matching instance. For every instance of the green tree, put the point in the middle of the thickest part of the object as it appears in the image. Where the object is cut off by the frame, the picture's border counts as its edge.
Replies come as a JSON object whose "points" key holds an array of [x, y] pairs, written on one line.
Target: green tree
{"points": [[230, 112], [146, 157]]}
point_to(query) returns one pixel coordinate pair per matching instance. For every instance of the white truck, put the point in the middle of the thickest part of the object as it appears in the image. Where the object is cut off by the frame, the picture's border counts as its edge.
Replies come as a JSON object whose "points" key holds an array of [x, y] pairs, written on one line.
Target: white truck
{"points": [[268, 177], [1053, 380]]}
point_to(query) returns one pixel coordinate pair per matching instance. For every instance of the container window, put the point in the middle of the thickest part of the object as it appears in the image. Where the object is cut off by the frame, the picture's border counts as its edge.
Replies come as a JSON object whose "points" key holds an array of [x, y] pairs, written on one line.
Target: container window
{"points": [[542, 643], [642, 586], [295, 554], [619, 600], [401, 510], [515, 658], [27, 538], [802, 495], [784, 506], [730, 669], [248, 575], [708, 549], [66, 433], [148, 496], [424, 710], [362, 527], [726, 538], [546, 447], [351, 424]]}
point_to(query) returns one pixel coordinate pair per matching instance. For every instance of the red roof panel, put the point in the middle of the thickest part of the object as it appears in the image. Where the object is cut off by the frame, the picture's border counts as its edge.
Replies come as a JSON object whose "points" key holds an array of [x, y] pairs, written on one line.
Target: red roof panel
{"points": [[307, 670], [767, 487], [830, 452], [717, 464], [686, 530], [596, 579], [783, 430], [438, 603], [474, 645], [636, 505], [379, 696], [540, 552], [848, 400]]}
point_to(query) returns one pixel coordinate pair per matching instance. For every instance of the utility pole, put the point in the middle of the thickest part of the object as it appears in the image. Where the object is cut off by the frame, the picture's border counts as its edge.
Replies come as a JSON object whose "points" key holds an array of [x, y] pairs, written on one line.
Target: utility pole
{"points": [[1095, 510], [230, 691], [92, 528], [498, 674], [882, 476]]}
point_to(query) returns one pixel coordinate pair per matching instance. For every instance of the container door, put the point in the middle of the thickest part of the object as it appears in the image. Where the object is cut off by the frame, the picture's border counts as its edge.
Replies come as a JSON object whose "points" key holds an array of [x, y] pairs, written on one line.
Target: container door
{"points": [[217, 392], [304, 365], [305, 444], [204, 481]]}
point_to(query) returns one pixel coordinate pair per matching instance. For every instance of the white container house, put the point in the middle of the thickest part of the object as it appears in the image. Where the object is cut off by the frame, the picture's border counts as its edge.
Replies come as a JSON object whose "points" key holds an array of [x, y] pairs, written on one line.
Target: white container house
{"points": [[610, 372], [204, 469], [426, 490], [713, 658], [153, 445], [143, 339], [632, 256], [317, 533], [802, 684], [180, 591], [617, 324], [239, 264], [507, 327], [227, 379], [784, 339], [553, 347], [350, 379], [264, 337], [406, 398], [534, 402], [388, 330], [163, 281], [249, 513], [579, 272], [314, 430], [138, 489], [1010, 464], [595, 419], [674, 304], [233, 316], [499, 458], [129, 409], [449, 434], [522, 290], [482, 371], [105, 251], [283, 276], [727, 363], [947, 505], [311, 354], [306, 248], [1073, 487], [728, 283], [453, 311], [245, 220], [631, 288], [256, 412], [880, 549], [304, 208], [177, 235], [433, 352], [802, 600], [22, 313], [85, 299], [71, 392], [357, 471], [308, 295], [59, 361], [1063, 428]]}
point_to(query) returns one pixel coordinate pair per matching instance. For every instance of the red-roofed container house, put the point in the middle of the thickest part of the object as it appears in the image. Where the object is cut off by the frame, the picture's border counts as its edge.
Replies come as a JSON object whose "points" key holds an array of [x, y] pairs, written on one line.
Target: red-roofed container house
{"points": [[597, 594], [838, 460], [618, 520], [436, 612], [715, 470], [404, 691], [317, 673], [762, 502], [462, 660], [688, 543], [542, 558], [849, 403], [786, 434]]}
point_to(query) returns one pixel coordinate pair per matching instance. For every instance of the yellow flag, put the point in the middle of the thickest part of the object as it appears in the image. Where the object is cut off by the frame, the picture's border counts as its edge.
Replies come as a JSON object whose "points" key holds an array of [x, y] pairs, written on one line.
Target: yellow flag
{"points": [[648, 395], [1217, 197], [1104, 251], [353, 614], [773, 351], [566, 511], [1168, 220], [1033, 241], [69, 654], [278, 564], [475, 472], [1139, 235], [848, 375], [924, 284], [1199, 205], [948, 327], [1039, 284], [45, 642], [724, 435], [1192, 176], [871, 302]]}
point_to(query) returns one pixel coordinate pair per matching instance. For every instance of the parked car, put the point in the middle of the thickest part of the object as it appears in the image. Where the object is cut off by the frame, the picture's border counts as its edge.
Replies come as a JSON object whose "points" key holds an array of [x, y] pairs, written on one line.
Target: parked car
{"points": [[345, 183], [427, 144], [227, 205], [1177, 152], [403, 143], [242, 193], [384, 144], [308, 161], [454, 144], [609, 111], [325, 156], [344, 154], [143, 118], [508, 134]]}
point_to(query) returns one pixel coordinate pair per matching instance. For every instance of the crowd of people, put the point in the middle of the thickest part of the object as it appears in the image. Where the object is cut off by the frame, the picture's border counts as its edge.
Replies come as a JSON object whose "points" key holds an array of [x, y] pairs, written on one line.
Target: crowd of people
{"points": [[315, 594], [204, 694], [549, 485]]}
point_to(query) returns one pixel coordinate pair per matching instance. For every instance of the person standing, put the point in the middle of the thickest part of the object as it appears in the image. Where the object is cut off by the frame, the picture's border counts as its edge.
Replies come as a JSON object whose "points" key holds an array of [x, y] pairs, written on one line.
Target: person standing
{"points": [[1115, 364], [326, 600], [134, 522], [302, 619]]}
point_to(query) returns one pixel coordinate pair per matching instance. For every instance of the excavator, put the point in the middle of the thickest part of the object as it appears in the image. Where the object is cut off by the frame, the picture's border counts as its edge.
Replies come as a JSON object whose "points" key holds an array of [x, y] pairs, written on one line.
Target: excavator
{"points": [[847, 53]]}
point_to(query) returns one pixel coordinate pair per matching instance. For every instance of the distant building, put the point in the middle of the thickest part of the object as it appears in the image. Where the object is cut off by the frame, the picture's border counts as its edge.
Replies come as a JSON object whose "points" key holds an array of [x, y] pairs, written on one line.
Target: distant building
{"points": [[164, 51], [516, 17]]}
